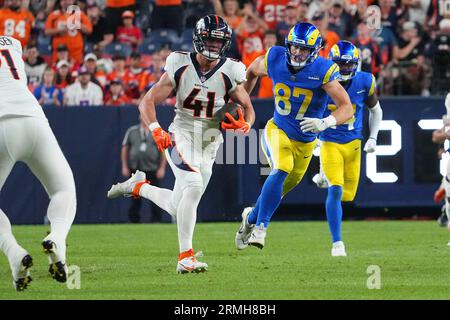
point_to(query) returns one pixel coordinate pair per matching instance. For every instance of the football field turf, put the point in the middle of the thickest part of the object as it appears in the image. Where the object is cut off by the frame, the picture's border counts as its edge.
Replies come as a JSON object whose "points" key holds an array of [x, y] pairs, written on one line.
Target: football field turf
{"points": [[138, 262]]}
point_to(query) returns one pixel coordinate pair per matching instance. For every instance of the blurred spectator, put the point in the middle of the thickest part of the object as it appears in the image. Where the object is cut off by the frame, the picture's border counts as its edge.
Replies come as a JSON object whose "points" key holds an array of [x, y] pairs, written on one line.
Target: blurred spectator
{"points": [[127, 32], [438, 11], [101, 34], [416, 10], [138, 73], [97, 76], [153, 74], [196, 9], [388, 52], [16, 21], [47, 93], [370, 58], [329, 37], [290, 19], [440, 53], [339, 20], [63, 74], [116, 96], [34, 65], [415, 75], [230, 12], [391, 14], [83, 92], [139, 152], [120, 71], [265, 84], [114, 10], [250, 34], [317, 6], [62, 54], [168, 14], [272, 11], [61, 27]]}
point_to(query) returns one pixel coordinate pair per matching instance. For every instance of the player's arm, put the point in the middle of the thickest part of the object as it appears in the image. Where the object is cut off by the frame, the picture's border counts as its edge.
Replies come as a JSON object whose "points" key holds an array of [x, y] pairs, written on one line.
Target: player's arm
{"points": [[241, 96], [447, 118], [343, 112], [257, 69], [375, 117], [156, 95]]}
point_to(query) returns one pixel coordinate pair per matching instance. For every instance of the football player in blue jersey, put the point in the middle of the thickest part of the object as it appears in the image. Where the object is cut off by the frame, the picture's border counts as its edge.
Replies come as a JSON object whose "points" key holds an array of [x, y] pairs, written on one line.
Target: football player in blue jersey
{"points": [[302, 82], [340, 151]]}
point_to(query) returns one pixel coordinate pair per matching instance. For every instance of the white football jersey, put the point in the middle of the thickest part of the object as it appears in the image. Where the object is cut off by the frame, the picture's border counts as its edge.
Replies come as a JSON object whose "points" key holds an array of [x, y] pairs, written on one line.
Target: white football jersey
{"points": [[92, 95], [16, 98], [200, 95]]}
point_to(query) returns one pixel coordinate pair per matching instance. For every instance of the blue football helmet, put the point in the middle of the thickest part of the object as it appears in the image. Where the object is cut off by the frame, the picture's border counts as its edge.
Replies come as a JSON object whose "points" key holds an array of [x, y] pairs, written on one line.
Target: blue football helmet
{"points": [[304, 35], [346, 56]]}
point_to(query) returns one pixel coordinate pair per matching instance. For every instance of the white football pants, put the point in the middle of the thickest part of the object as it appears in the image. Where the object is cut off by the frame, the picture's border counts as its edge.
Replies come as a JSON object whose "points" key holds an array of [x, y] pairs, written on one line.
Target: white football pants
{"points": [[31, 140], [192, 165]]}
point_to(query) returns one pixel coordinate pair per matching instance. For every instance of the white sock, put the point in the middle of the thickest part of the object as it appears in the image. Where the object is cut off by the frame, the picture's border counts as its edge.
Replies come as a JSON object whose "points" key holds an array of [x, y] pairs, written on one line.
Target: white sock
{"points": [[187, 216], [61, 213], [163, 198], [8, 243]]}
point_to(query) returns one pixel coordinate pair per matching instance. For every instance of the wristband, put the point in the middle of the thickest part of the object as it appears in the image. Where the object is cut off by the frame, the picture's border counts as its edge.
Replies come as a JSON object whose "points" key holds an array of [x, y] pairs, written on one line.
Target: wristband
{"points": [[154, 125]]}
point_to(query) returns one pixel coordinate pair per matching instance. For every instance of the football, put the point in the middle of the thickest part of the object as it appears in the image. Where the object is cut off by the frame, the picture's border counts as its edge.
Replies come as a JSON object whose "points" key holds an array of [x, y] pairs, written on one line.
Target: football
{"points": [[231, 108]]}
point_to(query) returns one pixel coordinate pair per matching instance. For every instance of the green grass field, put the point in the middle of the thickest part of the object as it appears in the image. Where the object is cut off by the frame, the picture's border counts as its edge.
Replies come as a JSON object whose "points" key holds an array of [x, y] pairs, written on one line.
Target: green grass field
{"points": [[138, 262]]}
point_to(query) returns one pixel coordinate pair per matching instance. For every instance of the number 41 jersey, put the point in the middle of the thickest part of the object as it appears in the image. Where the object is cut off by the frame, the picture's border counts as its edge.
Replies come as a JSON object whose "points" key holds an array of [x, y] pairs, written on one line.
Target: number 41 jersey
{"points": [[200, 95], [16, 98]]}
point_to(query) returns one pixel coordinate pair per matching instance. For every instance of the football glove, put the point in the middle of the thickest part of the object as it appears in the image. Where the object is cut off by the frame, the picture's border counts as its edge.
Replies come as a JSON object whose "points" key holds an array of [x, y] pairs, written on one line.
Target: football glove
{"points": [[239, 124], [162, 139], [316, 125], [370, 146]]}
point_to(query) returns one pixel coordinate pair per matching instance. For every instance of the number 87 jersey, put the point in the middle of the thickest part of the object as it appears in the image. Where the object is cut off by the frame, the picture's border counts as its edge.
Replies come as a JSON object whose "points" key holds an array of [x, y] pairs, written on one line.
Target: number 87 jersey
{"points": [[200, 95], [298, 94]]}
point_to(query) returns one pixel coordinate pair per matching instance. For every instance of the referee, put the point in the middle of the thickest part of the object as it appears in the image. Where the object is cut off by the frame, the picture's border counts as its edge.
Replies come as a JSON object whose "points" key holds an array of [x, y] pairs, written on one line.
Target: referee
{"points": [[139, 152]]}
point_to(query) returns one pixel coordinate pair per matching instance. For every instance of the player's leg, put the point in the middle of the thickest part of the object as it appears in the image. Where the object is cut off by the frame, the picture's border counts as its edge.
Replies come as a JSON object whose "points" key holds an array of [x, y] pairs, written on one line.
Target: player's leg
{"points": [[332, 163], [278, 149], [19, 260], [302, 157], [48, 164], [352, 169], [447, 190]]}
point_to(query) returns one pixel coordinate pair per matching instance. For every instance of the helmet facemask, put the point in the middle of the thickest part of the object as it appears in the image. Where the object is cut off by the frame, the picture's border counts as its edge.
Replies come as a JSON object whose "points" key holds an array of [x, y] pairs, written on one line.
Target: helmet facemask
{"points": [[211, 44], [347, 69], [302, 59]]}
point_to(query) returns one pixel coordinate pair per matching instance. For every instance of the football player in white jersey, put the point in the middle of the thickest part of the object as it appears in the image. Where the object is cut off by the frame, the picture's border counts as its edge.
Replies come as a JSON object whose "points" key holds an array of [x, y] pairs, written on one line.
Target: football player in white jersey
{"points": [[447, 176], [203, 81], [26, 136]]}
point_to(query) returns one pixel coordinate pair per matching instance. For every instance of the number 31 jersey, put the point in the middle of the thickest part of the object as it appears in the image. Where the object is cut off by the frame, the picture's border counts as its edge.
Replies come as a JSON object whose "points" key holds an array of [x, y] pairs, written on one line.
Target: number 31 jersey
{"points": [[200, 95], [16, 98]]}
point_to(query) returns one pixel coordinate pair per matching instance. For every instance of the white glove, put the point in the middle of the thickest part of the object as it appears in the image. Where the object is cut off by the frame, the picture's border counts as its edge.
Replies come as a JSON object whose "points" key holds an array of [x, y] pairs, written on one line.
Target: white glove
{"points": [[316, 125], [320, 180], [370, 146]]}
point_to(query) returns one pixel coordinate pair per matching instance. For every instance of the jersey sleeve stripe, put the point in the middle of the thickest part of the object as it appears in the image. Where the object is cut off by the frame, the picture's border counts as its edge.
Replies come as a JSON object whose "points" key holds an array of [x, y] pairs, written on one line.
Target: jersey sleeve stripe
{"points": [[228, 86], [330, 71], [178, 74], [266, 58], [372, 86]]}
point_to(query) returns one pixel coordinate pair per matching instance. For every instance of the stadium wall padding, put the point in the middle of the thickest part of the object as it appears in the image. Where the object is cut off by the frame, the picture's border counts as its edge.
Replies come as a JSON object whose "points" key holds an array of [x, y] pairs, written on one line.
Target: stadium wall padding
{"points": [[91, 137]]}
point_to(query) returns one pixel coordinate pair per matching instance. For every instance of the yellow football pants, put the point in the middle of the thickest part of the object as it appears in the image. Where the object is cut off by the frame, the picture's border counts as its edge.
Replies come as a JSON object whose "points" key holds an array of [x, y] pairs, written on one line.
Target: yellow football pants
{"points": [[341, 164], [286, 154]]}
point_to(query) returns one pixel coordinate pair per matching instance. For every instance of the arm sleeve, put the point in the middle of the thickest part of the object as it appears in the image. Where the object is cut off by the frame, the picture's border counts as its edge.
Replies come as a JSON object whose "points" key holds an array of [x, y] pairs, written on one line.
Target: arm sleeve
{"points": [[375, 117], [239, 76], [170, 67], [331, 74], [126, 139]]}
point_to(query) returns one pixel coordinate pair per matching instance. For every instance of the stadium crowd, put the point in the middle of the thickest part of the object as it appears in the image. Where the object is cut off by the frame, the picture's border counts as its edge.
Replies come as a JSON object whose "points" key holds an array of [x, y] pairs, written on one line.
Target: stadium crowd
{"points": [[110, 52]]}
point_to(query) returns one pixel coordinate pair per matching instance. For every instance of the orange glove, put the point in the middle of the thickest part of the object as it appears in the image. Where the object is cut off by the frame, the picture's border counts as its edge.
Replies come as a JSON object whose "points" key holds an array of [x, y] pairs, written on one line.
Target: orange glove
{"points": [[162, 139], [239, 124], [439, 195]]}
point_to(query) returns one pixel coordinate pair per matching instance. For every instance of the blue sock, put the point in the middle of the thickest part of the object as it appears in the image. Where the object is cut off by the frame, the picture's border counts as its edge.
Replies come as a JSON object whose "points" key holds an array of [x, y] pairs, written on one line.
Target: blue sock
{"points": [[270, 196], [253, 216], [333, 208]]}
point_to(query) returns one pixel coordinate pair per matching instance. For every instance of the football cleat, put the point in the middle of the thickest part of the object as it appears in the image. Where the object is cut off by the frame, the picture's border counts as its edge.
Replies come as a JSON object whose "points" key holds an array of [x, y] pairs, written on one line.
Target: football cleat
{"points": [[21, 273], [443, 219], [338, 249], [188, 263], [245, 230], [127, 188], [57, 268], [258, 236]]}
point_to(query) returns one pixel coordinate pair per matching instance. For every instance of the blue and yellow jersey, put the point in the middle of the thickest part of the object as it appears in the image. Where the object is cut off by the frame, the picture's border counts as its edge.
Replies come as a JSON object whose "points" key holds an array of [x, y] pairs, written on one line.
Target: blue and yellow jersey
{"points": [[298, 95], [361, 86]]}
